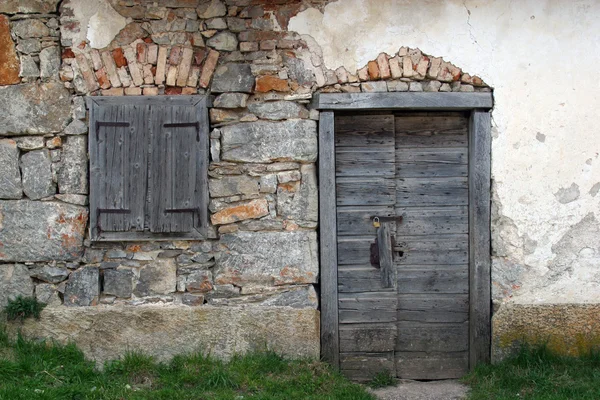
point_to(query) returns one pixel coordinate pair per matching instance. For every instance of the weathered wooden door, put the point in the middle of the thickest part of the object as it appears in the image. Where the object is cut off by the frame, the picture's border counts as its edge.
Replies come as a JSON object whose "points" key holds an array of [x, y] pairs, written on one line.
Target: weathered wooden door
{"points": [[402, 198]]}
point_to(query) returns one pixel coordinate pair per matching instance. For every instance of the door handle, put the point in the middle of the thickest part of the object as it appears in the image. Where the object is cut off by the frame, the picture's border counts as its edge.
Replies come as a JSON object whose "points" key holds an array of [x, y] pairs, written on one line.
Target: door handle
{"points": [[384, 246]]}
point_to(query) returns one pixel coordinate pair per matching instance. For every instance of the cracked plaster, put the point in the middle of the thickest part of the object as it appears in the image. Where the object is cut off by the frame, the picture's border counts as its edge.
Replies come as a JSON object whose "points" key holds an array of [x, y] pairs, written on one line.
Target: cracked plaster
{"points": [[538, 57]]}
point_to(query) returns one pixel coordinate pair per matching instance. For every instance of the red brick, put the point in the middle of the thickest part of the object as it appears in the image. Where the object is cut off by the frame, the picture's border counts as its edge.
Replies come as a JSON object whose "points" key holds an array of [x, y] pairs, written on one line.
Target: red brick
{"points": [[141, 52], [68, 53], [199, 55], [102, 78], [373, 70], [267, 83], [175, 55], [119, 57], [209, 68], [172, 90]]}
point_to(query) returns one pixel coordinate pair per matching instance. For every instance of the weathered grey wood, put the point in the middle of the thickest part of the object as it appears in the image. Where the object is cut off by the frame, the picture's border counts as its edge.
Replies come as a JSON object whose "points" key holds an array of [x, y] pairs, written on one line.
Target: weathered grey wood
{"points": [[433, 278], [378, 337], [137, 154], [364, 130], [479, 234], [95, 167], [356, 279], [365, 191], [365, 161], [149, 236], [354, 250], [330, 345], [357, 220], [450, 191], [432, 249], [367, 307], [432, 220], [421, 365], [203, 155], [363, 367], [436, 308], [431, 337], [402, 101], [386, 263], [431, 129], [431, 162], [147, 100]]}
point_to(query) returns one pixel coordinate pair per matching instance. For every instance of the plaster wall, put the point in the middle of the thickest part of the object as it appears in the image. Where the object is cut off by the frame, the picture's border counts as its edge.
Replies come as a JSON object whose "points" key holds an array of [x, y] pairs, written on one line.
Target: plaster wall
{"points": [[541, 58]]}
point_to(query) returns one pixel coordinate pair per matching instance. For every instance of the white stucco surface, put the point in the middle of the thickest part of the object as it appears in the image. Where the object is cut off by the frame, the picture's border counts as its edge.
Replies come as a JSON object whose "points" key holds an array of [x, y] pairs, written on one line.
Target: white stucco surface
{"points": [[541, 58], [99, 21]]}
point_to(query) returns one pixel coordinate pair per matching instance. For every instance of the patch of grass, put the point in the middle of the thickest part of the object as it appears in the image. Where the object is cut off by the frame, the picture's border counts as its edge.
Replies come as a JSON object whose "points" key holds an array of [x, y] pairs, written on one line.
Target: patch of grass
{"points": [[23, 307], [44, 370], [536, 373], [383, 379]]}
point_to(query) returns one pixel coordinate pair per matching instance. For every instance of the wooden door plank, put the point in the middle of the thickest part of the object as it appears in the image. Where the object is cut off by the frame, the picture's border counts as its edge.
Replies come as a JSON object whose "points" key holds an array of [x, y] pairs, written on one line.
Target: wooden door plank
{"points": [[421, 365], [449, 191], [402, 100], [433, 279], [360, 279], [479, 234], [330, 345], [354, 250], [431, 129], [433, 308], [364, 131], [433, 220], [378, 337], [431, 162], [386, 263], [363, 367], [365, 161], [138, 168], [431, 337], [361, 191], [367, 307], [432, 249]]}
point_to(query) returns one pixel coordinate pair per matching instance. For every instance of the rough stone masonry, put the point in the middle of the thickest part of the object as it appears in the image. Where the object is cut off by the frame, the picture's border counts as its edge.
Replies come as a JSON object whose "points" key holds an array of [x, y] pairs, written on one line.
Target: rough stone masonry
{"points": [[256, 275]]}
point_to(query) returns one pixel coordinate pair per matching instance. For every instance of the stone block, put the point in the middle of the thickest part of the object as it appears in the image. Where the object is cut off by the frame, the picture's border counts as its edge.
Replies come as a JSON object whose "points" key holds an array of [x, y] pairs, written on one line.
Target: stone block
{"points": [[118, 282], [34, 108], [48, 294], [30, 28], [28, 6], [72, 175], [10, 175], [192, 299], [301, 205], [199, 281], [14, 281], [376, 86], [278, 110], [29, 68], [9, 62], [231, 100], [233, 185], [223, 41], [107, 333], [233, 78], [397, 86], [240, 212], [49, 62], [267, 83], [157, 278], [296, 297], [267, 258], [211, 9], [49, 273], [83, 287], [262, 141], [36, 168], [41, 231]]}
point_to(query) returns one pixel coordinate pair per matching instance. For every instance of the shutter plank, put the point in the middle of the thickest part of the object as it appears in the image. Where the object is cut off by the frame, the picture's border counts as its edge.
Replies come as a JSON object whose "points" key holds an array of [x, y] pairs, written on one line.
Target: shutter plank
{"points": [[138, 166]]}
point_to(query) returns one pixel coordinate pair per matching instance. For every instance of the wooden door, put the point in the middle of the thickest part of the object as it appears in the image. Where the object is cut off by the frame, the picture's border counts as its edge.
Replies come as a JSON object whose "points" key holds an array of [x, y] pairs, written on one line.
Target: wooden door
{"points": [[410, 171]]}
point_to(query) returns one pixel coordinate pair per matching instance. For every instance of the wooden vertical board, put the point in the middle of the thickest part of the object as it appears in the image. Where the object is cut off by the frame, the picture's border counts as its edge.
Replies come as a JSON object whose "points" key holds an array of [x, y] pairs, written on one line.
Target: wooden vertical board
{"points": [[479, 237], [386, 264], [330, 341], [138, 166], [202, 177], [95, 167]]}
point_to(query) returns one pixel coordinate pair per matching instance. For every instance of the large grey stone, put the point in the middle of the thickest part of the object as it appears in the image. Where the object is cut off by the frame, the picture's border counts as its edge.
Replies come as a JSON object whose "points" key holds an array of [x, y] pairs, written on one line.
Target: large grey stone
{"points": [[231, 100], [211, 9], [49, 62], [72, 175], [30, 28], [29, 68], [223, 41], [41, 231], [105, 333], [10, 175], [83, 287], [233, 78], [34, 108], [28, 6], [46, 293], [29, 46], [36, 168], [267, 258], [157, 278], [118, 282], [302, 204], [278, 110], [296, 297], [48, 273], [234, 185], [14, 281], [263, 141]]}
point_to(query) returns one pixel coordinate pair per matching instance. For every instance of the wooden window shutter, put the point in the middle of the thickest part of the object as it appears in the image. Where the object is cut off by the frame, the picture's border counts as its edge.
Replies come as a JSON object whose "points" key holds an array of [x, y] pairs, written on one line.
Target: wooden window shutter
{"points": [[178, 178], [118, 167]]}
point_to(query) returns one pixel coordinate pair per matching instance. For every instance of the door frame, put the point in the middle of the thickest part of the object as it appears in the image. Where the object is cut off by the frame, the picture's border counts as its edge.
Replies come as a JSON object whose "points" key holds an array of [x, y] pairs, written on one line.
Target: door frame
{"points": [[479, 104]]}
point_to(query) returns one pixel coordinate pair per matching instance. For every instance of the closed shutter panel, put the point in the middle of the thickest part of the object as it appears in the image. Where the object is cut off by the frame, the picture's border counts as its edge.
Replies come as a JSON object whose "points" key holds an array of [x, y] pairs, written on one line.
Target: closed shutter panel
{"points": [[118, 167], [179, 147]]}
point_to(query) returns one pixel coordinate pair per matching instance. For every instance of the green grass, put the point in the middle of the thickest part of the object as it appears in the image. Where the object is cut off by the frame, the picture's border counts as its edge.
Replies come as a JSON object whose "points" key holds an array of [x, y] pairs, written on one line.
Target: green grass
{"points": [[538, 374], [40, 370], [383, 379], [23, 307]]}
